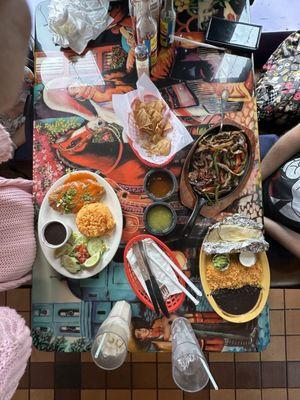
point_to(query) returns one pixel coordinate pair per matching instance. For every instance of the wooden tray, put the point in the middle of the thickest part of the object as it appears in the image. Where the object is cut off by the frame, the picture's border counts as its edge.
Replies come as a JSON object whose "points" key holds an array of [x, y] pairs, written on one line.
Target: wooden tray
{"points": [[261, 302], [187, 195]]}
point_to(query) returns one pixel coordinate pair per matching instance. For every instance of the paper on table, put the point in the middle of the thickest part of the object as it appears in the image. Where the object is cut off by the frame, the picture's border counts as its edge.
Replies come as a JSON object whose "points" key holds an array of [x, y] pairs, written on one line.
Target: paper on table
{"points": [[179, 135], [159, 275]]}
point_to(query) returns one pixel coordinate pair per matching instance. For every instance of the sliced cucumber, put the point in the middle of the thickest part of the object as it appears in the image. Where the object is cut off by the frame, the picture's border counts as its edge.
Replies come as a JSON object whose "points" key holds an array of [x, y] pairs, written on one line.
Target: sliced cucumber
{"points": [[70, 263]]}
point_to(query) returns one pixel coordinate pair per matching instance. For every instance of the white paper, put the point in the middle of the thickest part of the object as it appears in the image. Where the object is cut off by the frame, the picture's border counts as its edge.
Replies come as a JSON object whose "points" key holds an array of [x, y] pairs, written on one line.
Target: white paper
{"points": [[179, 135], [75, 22], [162, 279]]}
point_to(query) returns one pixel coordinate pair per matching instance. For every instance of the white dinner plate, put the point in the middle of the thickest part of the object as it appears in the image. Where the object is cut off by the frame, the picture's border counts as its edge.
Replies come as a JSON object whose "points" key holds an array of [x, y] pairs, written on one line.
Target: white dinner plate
{"points": [[47, 213]]}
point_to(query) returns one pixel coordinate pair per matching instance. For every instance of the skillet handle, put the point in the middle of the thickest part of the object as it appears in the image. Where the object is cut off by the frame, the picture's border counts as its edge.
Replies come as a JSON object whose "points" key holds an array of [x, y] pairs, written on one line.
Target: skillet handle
{"points": [[186, 231]]}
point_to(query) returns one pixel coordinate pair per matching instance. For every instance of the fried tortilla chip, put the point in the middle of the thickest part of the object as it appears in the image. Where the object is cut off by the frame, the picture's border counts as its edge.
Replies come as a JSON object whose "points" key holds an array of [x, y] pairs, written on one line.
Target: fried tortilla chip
{"points": [[153, 124]]}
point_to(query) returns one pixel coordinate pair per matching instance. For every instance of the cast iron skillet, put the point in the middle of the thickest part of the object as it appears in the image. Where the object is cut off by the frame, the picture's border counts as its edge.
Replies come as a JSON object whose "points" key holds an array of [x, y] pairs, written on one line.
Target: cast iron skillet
{"points": [[193, 200]]}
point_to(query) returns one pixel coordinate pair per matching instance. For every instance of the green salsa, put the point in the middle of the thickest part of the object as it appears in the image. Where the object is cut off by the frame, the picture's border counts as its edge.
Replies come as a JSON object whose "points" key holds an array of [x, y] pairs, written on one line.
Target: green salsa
{"points": [[159, 218]]}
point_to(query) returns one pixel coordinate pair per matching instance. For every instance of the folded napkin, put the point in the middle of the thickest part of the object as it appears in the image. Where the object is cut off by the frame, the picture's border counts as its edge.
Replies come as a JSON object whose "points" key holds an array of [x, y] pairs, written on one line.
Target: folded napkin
{"points": [[154, 259]]}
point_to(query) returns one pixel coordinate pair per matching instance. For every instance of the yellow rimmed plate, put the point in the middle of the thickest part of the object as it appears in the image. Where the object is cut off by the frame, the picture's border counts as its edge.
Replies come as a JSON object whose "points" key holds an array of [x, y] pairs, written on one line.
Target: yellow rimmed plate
{"points": [[261, 302]]}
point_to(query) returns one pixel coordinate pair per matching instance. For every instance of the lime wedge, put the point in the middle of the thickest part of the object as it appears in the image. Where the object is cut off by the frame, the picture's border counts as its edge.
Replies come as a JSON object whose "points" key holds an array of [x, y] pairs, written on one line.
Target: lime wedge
{"points": [[96, 245], [92, 261]]}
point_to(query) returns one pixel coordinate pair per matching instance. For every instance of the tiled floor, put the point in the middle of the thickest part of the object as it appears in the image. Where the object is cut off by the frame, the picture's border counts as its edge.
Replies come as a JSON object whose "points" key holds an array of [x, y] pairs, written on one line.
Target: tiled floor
{"points": [[271, 375]]}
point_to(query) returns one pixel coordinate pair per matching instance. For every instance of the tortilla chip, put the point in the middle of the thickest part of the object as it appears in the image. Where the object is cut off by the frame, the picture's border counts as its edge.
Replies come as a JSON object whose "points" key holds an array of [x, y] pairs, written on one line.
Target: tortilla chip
{"points": [[152, 124]]}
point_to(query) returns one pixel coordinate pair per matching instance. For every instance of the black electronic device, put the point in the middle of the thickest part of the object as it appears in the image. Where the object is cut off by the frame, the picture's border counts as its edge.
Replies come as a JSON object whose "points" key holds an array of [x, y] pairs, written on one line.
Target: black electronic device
{"points": [[232, 34]]}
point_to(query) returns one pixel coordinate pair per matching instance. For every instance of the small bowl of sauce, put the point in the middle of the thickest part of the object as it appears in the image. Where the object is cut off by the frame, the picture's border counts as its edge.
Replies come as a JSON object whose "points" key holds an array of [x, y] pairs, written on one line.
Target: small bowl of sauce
{"points": [[160, 184], [160, 218], [55, 234]]}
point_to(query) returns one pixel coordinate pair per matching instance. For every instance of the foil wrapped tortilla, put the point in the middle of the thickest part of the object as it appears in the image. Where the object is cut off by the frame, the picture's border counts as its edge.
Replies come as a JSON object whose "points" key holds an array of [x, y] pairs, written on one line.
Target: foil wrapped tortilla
{"points": [[235, 234]]}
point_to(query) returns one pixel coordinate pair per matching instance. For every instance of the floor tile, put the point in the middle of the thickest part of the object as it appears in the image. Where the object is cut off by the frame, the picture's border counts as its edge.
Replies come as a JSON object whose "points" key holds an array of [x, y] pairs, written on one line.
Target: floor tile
{"points": [[277, 322], [164, 376], [276, 299], [67, 394], [292, 298], [42, 394], [42, 375], [92, 377], [144, 394], [224, 374], [275, 351], [19, 299], [24, 381], [202, 395], [144, 375], [2, 299], [21, 394], [86, 357], [294, 394], [143, 357], [41, 356], [293, 348], [273, 374], [292, 319], [223, 394], [120, 378], [118, 394], [164, 356], [293, 374], [221, 357], [274, 394], [168, 394], [93, 394], [247, 357], [67, 357], [67, 375], [248, 375], [248, 394]]}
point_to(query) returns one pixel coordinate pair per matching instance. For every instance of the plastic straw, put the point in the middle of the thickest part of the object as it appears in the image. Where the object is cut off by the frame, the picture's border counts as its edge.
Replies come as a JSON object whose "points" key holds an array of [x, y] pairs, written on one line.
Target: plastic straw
{"points": [[178, 270], [209, 374], [199, 44], [100, 345]]}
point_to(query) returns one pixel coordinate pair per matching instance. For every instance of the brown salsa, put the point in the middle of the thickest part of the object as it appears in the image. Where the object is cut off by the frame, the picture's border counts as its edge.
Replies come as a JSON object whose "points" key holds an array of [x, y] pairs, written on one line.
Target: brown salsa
{"points": [[160, 184]]}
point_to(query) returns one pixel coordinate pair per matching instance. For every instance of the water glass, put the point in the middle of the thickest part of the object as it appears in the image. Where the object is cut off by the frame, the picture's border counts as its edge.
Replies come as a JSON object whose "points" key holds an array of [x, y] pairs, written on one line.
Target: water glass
{"points": [[188, 361], [109, 349]]}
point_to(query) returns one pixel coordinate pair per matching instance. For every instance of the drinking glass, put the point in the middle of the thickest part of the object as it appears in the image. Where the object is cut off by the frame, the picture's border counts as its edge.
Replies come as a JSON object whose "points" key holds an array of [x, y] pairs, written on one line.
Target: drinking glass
{"points": [[109, 349], [189, 366]]}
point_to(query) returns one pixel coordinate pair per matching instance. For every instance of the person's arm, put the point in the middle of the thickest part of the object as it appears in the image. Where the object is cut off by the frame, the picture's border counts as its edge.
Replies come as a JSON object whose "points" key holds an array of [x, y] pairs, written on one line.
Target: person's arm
{"points": [[285, 236], [283, 150], [15, 28]]}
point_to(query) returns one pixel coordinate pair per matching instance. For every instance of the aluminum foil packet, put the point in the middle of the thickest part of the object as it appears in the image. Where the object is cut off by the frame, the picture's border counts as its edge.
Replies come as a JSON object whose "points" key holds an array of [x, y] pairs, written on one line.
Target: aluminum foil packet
{"points": [[75, 22], [235, 234]]}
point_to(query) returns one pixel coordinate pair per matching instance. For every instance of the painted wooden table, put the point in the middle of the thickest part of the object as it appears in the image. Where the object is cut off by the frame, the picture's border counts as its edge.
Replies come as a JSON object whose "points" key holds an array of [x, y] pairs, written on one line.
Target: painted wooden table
{"points": [[66, 313]]}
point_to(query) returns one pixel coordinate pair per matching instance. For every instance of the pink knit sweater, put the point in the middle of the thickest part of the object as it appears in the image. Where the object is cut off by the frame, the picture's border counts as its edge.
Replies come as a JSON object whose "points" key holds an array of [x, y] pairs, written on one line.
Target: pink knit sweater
{"points": [[17, 240], [15, 349]]}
